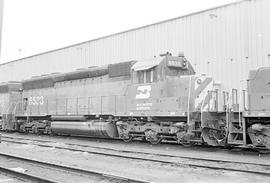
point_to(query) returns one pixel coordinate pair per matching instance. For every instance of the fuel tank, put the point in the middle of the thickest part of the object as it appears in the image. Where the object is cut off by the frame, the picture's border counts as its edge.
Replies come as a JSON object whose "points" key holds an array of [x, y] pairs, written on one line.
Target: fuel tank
{"points": [[87, 128], [68, 118]]}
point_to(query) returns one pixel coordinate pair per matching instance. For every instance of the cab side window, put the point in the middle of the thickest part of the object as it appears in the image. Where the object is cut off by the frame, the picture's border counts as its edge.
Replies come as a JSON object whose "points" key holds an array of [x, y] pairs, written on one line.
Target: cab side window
{"points": [[147, 76], [140, 76]]}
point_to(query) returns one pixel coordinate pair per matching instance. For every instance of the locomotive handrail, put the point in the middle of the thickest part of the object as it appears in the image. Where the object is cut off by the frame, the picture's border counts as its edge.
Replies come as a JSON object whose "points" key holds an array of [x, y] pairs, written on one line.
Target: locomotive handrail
{"points": [[239, 113], [9, 108], [77, 110], [101, 105], [6, 109], [241, 101], [244, 100], [237, 103], [202, 106], [202, 110], [88, 105], [15, 108], [188, 107], [228, 108]]}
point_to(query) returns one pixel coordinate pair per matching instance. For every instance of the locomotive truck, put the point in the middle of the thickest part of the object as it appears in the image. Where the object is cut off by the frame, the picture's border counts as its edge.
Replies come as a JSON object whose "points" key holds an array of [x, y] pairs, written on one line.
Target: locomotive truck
{"points": [[155, 100]]}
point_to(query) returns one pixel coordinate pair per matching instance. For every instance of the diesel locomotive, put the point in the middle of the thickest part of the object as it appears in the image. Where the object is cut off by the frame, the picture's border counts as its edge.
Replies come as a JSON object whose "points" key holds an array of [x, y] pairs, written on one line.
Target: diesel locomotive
{"points": [[159, 99]]}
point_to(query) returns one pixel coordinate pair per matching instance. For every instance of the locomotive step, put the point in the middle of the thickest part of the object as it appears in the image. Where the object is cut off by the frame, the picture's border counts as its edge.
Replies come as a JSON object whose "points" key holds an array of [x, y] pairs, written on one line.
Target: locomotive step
{"points": [[196, 140], [236, 142], [237, 131], [197, 130]]}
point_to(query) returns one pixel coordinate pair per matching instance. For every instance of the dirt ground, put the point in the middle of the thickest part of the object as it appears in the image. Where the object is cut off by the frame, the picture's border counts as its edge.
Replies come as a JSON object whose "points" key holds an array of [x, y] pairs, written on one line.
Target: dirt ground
{"points": [[153, 172], [6, 179]]}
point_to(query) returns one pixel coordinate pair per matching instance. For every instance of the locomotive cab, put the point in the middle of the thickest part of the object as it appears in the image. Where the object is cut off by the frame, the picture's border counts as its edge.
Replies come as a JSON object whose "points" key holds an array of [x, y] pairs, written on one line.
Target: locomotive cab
{"points": [[159, 86], [160, 68], [165, 95]]}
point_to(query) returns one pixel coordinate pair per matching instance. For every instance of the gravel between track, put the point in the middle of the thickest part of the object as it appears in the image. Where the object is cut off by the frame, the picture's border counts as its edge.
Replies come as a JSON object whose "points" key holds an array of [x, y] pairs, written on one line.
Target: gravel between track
{"points": [[154, 172]]}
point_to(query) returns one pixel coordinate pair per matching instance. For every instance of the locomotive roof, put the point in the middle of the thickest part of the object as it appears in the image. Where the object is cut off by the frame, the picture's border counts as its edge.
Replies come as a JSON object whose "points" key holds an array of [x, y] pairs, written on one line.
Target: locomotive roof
{"points": [[36, 82], [147, 64], [114, 70], [120, 69], [153, 62], [82, 74], [49, 80], [254, 72], [10, 86]]}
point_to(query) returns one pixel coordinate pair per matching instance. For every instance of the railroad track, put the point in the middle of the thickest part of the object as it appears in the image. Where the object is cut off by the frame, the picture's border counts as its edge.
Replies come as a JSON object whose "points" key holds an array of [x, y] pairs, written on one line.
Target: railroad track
{"points": [[45, 172], [174, 160]]}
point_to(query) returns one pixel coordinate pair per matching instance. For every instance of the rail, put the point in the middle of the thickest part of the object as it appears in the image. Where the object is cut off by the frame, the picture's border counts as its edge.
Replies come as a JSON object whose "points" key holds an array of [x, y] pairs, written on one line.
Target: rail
{"points": [[176, 160], [88, 174]]}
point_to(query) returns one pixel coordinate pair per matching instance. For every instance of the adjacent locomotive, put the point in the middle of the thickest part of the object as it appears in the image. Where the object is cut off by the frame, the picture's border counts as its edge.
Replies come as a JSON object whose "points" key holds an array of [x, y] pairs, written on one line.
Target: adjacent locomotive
{"points": [[257, 117], [157, 99], [9, 96]]}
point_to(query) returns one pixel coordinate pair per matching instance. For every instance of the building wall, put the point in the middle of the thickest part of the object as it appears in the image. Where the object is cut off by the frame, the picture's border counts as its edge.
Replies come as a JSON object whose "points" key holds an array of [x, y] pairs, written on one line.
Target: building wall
{"points": [[223, 42], [1, 21]]}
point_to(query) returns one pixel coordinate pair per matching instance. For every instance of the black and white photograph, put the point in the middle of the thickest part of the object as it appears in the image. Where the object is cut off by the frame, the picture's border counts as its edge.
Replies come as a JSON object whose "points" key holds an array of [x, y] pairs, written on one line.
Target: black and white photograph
{"points": [[125, 91]]}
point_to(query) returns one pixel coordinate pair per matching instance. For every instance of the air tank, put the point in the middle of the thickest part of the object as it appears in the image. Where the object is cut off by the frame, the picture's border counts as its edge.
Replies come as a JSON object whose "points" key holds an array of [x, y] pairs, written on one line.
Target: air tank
{"points": [[87, 128]]}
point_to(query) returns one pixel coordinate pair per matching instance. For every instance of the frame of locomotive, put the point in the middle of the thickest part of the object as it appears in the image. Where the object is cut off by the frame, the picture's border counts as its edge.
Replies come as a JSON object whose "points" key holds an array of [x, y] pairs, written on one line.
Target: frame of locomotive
{"points": [[154, 100]]}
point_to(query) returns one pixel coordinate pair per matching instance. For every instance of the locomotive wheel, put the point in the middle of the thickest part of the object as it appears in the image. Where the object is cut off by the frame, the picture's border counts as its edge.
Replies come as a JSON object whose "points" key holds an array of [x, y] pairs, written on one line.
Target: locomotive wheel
{"points": [[152, 137], [129, 139], [48, 131], [156, 141], [142, 139], [186, 144], [34, 130]]}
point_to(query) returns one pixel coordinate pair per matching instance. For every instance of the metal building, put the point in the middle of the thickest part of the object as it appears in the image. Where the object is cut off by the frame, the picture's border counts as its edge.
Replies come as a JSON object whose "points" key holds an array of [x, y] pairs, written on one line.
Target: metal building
{"points": [[1, 21], [224, 42]]}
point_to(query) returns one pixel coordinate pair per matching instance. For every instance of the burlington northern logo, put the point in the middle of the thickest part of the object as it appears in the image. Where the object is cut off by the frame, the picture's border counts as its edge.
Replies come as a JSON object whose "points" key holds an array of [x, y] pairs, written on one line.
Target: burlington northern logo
{"points": [[143, 92]]}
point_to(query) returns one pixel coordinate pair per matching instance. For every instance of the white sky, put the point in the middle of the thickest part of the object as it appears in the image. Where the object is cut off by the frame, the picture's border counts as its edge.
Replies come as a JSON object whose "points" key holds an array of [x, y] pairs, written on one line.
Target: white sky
{"points": [[35, 26]]}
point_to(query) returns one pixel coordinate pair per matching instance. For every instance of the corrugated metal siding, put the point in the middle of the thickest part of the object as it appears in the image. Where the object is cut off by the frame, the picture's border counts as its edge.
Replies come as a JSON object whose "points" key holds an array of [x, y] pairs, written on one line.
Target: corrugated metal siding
{"points": [[224, 42], [1, 21]]}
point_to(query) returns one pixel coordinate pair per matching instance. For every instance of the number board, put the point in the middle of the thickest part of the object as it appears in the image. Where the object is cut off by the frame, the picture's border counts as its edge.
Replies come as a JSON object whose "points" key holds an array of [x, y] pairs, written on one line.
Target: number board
{"points": [[36, 100], [175, 63]]}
